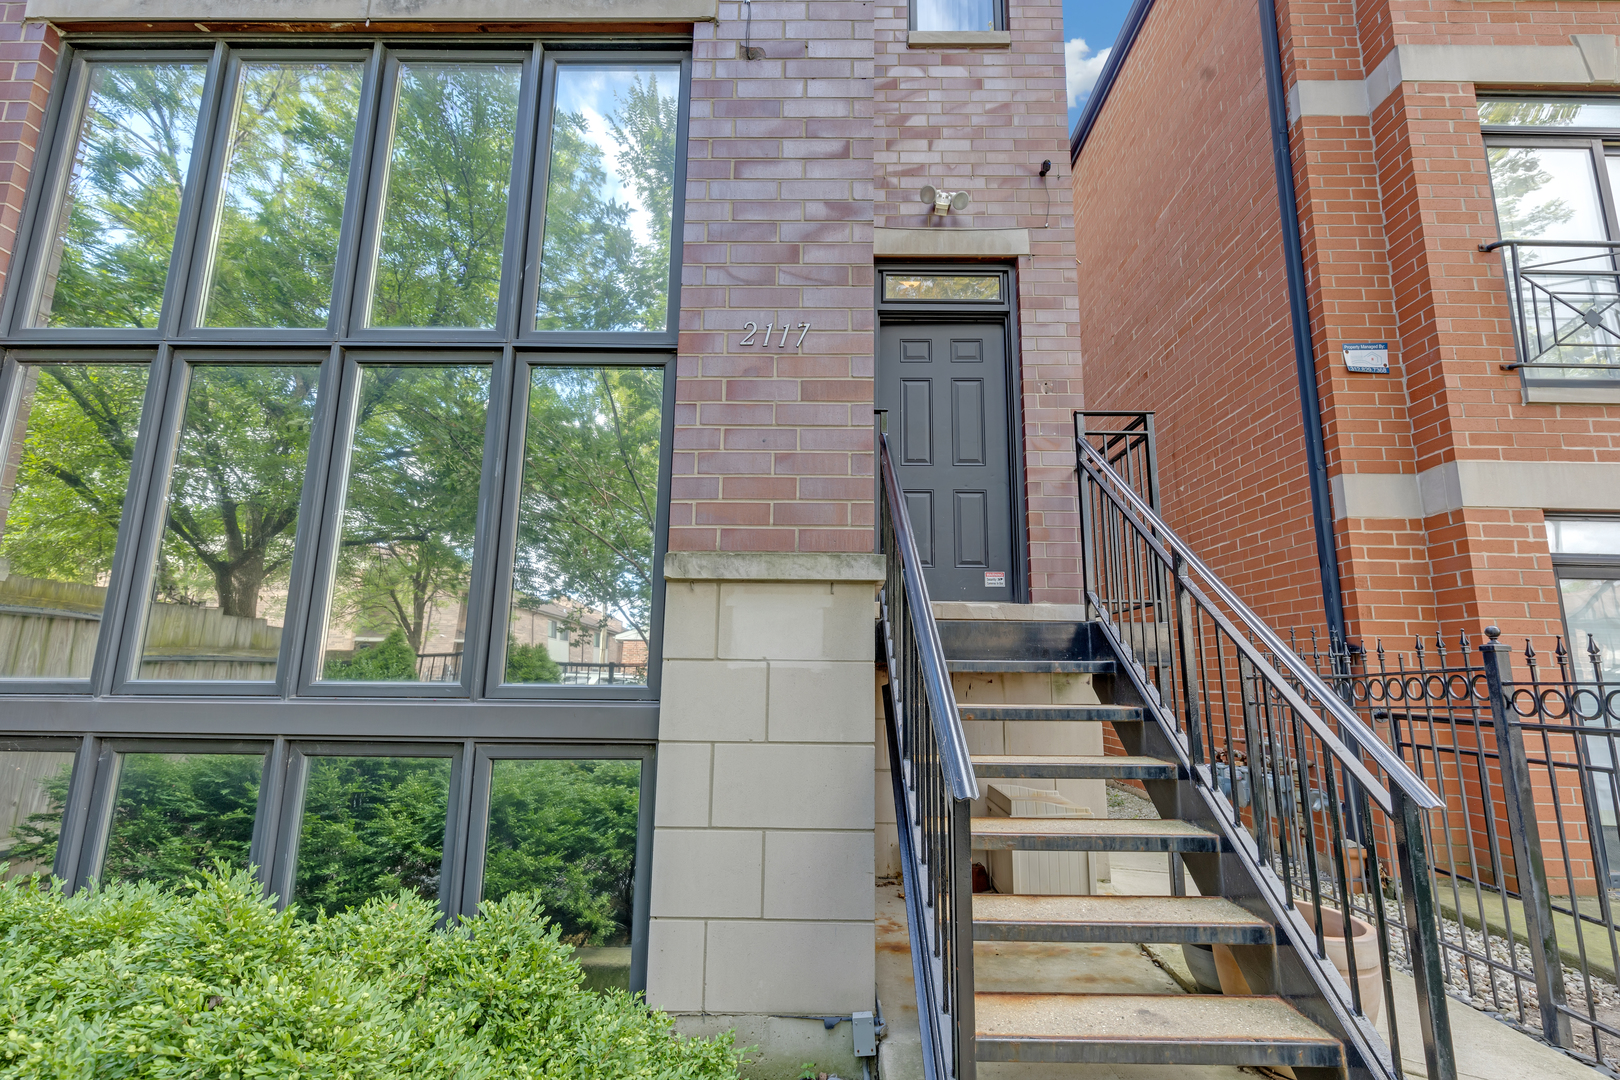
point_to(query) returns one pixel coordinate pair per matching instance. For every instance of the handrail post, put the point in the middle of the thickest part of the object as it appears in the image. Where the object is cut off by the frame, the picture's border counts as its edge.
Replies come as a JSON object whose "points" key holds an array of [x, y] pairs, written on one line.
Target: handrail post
{"points": [[1186, 646], [1519, 795], [1423, 936], [962, 919]]}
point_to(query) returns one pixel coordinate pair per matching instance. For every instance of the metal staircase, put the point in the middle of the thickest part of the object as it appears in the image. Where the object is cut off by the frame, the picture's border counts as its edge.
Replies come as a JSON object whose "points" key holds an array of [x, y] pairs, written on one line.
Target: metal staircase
{"points": [[1192, 698]]}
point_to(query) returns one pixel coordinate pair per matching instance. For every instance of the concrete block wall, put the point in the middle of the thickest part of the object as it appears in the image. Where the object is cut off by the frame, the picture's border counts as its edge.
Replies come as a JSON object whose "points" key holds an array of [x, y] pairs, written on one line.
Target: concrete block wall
{"points": [[762, 882]]}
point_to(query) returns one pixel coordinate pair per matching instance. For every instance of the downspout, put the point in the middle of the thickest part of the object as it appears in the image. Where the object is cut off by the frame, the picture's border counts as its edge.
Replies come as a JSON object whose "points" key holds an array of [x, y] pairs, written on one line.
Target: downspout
{"points": [[1310, 405]]}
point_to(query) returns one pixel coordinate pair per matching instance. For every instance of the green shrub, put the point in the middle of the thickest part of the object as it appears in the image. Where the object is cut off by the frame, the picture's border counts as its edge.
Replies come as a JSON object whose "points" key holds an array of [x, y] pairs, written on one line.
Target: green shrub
{"points": [[210, 981], [390, 660], [530, 664]]}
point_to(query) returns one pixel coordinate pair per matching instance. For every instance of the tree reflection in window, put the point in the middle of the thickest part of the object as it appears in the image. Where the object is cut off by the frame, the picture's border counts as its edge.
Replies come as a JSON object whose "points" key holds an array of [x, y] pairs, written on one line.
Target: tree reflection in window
{"points": [[444, 212], [116, 226], [175, 814], [410, 515], [586, 512], [372, 826], [610, 198], [568, 830], [219, 590], [65, 477], [276, 238]]}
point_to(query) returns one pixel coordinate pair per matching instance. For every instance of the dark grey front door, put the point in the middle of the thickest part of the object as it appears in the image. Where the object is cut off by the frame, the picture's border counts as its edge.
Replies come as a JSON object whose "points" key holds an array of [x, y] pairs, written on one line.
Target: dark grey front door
{"points": [[945, 387]]}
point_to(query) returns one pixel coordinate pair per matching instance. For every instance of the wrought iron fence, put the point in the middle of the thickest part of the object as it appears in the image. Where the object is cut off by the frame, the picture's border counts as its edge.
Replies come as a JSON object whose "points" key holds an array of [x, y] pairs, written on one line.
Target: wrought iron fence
{"points": [[934, 786], [438, 667], [1522, 753], [575, 672], [1313, 803], [1565, 301]]}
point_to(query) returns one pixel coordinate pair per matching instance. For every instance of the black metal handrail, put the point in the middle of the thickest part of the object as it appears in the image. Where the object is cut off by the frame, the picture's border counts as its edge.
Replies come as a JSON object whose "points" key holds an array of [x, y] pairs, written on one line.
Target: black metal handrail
{"points": [[1310, 799], [1566, 311], [934, 787]]}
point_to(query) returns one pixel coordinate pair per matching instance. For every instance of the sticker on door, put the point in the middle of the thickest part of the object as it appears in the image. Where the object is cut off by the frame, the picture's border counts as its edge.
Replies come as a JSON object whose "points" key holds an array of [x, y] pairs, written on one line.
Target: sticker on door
{"points": [[995, 579]]}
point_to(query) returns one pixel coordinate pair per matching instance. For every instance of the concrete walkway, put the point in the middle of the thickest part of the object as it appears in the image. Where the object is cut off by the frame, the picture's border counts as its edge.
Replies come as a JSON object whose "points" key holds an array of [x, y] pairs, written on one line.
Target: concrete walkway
{"points": [[1486, 1049]]}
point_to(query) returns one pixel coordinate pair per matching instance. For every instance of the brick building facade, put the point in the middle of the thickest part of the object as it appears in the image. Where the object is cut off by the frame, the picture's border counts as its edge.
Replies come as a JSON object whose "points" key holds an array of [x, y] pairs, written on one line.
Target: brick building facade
{"points": [[1444, 471]]}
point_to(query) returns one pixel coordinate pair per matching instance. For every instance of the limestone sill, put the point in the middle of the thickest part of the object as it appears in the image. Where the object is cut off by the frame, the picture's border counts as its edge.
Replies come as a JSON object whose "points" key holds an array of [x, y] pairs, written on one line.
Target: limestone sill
{"points": [[981, 39]]}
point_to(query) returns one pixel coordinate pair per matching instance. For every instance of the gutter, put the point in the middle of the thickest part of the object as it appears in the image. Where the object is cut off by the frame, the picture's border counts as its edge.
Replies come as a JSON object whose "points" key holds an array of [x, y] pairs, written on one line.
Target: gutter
{"points": [[1310, 405]]}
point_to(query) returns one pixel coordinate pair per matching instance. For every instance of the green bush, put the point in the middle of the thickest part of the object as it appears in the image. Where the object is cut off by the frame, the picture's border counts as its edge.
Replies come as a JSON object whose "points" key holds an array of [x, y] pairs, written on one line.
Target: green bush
{"points": [[390, 660], [210, 981], [530, 664]]}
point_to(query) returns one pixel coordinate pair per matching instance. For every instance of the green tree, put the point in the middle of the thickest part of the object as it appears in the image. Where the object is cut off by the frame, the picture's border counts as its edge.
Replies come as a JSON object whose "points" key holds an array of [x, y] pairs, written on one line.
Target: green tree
{"points": [[176, 814], [236, 483], [595, 273], [530, 664], [567, 830], [123, 198], [285, 182], [77, 425], [411, 512], [589, 490], [444, 214], [372, 826], [390, 660]]}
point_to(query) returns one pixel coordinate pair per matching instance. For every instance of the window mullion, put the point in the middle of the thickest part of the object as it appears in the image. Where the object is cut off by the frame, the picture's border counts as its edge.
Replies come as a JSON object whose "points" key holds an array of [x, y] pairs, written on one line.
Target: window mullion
{"points": [[191, 201], [362, 191]]}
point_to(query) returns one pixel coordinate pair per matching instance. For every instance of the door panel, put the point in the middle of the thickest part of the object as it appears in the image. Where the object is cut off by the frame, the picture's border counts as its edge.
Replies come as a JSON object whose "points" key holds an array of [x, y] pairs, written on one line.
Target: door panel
{"points": [[945, 386]]}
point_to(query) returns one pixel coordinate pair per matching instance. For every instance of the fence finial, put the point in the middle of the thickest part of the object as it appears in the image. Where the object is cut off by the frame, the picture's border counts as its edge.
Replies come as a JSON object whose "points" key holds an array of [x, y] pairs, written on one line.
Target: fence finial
{"points": [[1493, 633], [1595, 654]]}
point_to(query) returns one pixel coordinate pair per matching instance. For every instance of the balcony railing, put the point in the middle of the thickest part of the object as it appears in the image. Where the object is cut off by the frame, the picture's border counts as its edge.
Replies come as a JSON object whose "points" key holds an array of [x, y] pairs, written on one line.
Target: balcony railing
{"points": [[1565, 299]]}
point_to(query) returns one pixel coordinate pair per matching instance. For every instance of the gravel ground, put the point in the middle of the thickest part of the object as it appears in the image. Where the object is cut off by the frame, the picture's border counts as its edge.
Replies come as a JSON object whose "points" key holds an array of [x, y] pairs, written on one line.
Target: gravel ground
{"points": [[1128, 803]]}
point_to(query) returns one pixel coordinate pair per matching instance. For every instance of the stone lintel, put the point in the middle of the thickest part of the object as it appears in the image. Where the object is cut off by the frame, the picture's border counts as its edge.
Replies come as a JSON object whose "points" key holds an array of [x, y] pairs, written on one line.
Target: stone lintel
{"points": [[772, 566]]}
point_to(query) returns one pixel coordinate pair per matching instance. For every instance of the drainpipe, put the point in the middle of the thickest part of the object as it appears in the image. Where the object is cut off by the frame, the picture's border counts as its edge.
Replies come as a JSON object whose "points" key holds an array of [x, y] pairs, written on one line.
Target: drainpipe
{"points": [[1310, 406]]}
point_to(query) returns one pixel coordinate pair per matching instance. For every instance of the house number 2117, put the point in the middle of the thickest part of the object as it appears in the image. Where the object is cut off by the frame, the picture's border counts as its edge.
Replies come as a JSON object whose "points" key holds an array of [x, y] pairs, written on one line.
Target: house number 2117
{"points": [[765, 339]]}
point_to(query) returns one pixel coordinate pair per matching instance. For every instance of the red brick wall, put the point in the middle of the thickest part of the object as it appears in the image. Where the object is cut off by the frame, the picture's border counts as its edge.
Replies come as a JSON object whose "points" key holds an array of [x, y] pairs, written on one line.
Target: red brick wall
{"points": [[1393, 208], [1183, 305], [27, 64]]}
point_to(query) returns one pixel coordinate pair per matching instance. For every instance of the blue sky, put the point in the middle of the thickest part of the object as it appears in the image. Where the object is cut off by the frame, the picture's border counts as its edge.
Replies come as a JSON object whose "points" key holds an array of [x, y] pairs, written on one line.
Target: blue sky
{"points": [[1089, 30]]}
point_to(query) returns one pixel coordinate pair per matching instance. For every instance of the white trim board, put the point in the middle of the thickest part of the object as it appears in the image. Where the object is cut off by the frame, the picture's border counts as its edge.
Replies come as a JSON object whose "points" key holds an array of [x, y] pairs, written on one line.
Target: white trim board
{"points": [[1541, 485], [1589, 60]]}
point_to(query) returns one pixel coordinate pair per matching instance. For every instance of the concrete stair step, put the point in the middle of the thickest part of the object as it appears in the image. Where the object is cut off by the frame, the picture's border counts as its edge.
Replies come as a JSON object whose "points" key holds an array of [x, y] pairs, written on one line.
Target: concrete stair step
{"points": [[1089, 834], [1169, 1029], [1071, 767], [1064, 667], [1113, 713], [1151, 920]]}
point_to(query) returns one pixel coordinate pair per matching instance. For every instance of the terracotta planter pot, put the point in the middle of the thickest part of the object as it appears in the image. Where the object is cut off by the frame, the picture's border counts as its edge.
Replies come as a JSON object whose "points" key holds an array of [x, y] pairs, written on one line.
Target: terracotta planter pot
{"points": [[1368, 975]]}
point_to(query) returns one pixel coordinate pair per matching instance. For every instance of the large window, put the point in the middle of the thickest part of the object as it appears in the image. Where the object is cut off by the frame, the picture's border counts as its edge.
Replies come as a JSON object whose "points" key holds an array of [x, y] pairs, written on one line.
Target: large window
{"points": [[336, 409], [356, 389], [1555, 168], [957, 15]]}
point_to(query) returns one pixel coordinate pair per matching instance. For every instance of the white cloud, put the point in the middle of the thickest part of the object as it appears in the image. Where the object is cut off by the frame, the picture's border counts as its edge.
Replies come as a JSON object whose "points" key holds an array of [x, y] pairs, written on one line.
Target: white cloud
{"points": [[1083, 67]]}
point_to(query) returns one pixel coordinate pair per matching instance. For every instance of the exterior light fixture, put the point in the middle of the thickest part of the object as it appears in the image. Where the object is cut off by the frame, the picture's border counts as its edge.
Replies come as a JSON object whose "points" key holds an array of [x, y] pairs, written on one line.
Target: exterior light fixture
{"points": [[944, 201]]}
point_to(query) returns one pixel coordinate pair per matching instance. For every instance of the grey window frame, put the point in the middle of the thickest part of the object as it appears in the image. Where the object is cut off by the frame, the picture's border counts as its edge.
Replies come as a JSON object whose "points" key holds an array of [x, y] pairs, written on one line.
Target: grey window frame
{"points": [[175, 345], [485, 754], [1600, 143], [295, 716], [1000, 9], [198, 261], [527, 334], [107, 767]]}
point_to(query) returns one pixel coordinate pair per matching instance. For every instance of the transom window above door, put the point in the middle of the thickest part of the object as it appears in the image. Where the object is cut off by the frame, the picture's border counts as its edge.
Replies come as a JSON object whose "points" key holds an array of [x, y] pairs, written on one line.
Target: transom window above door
{"points": [[376, 193]]}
